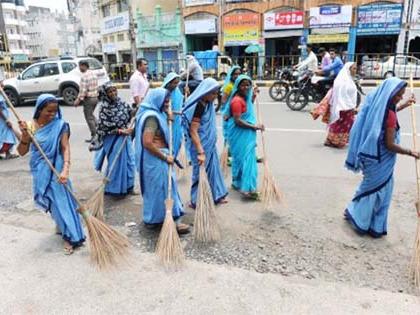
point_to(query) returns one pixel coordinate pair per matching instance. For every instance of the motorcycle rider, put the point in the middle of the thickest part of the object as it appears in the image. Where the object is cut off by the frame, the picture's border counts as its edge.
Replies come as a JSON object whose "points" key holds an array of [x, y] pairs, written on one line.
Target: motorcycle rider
{"points": [[310, 62], [325, 57], [195, 73], [329, 72]]}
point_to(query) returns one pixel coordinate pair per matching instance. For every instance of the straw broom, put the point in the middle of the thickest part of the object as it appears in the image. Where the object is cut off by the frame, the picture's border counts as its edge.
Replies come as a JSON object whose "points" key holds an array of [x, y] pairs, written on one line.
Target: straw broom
{"points": [[224, 160], [270, 192], [415, 264], [107, 246], [169, 248], [206, 228]]}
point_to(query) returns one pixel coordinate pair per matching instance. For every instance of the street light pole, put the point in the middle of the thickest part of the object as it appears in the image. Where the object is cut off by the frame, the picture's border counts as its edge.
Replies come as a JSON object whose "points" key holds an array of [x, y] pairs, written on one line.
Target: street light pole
{"points": [[132, 34]]}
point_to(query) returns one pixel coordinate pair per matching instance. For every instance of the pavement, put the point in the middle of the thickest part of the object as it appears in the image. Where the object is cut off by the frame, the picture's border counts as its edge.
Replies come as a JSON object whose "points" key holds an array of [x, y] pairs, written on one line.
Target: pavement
{"points": [[37, 279], [299, 258]]}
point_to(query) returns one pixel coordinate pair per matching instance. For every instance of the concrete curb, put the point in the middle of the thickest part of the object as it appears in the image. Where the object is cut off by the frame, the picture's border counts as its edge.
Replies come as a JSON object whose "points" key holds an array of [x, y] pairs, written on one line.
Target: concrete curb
{"points": [[268, 83]]}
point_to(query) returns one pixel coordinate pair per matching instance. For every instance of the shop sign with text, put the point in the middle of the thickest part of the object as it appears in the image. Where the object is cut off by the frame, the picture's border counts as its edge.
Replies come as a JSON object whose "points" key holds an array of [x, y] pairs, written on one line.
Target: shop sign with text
{"points": [[328, 38], [379, 19], [117, 23], [190, 3], [283, 20], [241, 29], [330, 16]]}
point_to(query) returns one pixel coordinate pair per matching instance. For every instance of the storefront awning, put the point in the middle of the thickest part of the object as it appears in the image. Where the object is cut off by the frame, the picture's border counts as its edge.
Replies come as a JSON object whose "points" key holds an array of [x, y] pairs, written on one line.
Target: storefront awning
{"points": [[280, 34]]}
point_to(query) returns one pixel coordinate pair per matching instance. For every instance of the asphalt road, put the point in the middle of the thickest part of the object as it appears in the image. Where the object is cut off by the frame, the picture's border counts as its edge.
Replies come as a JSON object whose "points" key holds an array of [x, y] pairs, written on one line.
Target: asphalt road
{"points": [[305, 236]]}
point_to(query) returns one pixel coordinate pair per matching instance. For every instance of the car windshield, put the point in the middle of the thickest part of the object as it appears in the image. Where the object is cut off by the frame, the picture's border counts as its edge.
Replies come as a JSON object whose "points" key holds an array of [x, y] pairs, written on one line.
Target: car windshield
{"points": [[94, 64]]}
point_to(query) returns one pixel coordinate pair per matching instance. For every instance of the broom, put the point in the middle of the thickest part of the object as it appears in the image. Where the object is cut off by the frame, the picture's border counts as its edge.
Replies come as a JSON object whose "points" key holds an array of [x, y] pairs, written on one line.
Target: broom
{"points": [[206, 228], [270, 192], [169, 248], [415, 264], [107, 246], [224, 160]]}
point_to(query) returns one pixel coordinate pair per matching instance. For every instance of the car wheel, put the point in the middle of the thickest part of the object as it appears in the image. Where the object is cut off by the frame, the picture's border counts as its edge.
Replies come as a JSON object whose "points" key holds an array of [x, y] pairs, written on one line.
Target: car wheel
{"points": [[389, 74], [13, 97], [69, 95]]}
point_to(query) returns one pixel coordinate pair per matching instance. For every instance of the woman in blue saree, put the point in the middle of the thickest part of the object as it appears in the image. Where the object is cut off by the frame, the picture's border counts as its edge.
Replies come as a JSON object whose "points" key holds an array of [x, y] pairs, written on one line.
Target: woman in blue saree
{"points": [[171, 84], [153, 158], [199, 120], [52, 133], [113, 127], [373, 149], [7, 135], [241, 132]]}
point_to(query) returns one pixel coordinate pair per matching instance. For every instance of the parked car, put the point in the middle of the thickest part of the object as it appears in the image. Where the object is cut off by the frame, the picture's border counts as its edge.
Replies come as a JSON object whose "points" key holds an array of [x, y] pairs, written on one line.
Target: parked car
{"points": [[389, 66], [60, 77]]}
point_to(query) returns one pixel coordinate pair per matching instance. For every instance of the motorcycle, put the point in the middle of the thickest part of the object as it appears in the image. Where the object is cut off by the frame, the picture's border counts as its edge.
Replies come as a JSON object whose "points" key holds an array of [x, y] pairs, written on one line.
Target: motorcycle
{"points": [[309, 88], [286, 79]]}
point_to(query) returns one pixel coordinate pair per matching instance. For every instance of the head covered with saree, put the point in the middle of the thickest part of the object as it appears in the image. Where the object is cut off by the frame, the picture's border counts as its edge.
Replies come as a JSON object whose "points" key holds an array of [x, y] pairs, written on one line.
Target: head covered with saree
{"points": [[249, 115], [229, 76], [344, 96], [368, 130], [42, 101], [169, 78]]}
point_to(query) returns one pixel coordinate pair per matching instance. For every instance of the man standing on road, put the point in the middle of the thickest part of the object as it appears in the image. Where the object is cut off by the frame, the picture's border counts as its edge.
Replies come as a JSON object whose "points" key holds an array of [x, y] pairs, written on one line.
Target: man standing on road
{"points": [[311, 61], [139, 85], [88, 96]]}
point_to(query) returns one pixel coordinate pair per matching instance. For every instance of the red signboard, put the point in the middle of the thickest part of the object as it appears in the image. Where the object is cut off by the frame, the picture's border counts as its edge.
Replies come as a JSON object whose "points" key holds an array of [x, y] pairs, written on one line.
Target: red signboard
{"points": [[283, 20]]}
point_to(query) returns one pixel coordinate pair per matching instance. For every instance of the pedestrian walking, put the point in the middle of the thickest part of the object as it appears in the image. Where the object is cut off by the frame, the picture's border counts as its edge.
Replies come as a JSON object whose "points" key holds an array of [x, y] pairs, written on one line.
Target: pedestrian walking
{"points": [[199, 120], [88, 96], [227, 87], [171, 83], [338, 108], [7, 135], [241, 133], [52, 133], [373, 149], [113, 127], [152, 158], [139, 84]]}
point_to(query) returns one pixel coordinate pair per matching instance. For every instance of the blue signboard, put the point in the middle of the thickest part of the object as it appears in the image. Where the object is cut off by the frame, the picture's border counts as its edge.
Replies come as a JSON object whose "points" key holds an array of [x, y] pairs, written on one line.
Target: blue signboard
{"points": [[382, 19]]}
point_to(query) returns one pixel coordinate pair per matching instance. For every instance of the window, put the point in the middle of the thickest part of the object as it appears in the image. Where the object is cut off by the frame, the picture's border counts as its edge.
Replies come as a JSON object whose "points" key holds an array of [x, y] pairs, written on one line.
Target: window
{"points": [[122, 5], [33, 72], [105, 39], [68, 66], [106, 10], [51, 69], [111, 38], [120, 37]]}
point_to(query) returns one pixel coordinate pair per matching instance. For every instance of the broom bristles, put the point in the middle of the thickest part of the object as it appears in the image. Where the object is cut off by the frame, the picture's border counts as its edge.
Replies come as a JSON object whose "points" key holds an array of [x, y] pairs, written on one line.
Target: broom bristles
{"points": [[206, 228], [96, 203], [182, 157], [270, 192], [415, 263], [107, 245], [169, 248], [224, 159]]}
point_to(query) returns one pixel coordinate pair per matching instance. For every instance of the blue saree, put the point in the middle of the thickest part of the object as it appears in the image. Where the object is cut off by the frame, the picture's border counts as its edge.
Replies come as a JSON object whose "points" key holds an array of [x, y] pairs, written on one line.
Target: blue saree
{"points": [[7, 135], [227, 82], [242, 143], [153, 172], [176, 100], [368, 211], [208, 137], [49, 194], [113, 115]]}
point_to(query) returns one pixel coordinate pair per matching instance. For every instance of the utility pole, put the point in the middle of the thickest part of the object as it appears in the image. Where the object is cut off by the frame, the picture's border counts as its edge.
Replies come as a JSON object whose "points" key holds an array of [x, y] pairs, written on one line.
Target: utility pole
{"points": [[132, 34], [408, 20]]}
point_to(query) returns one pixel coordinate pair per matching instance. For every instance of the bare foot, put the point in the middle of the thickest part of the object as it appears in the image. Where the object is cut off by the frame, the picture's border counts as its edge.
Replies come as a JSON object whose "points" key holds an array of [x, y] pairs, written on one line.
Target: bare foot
{"points": [[68, 248]]}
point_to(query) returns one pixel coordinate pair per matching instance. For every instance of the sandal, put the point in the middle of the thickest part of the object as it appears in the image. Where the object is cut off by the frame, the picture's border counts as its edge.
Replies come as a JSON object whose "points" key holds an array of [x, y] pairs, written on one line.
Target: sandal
{"points": [[68, 250], [255, 196], [182, 228], [223, 201]]}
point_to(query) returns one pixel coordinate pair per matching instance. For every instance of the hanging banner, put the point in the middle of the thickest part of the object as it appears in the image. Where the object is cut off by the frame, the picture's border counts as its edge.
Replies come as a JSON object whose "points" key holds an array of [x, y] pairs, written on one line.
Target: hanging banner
{"points": [[283, 20], [241, 29], [330, 16], [379, 19]]}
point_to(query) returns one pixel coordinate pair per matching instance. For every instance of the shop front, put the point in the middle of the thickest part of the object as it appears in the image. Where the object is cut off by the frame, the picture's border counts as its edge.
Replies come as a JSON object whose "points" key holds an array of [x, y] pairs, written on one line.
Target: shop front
{"points": [[330, 27], [378, 28], [200, 32], [282, 33]]}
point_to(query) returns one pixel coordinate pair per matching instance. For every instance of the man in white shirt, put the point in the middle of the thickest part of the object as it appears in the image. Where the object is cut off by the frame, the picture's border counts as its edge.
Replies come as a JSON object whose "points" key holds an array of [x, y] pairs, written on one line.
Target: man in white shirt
{"points": [[139, 85], [311, 61], [195, 72]]}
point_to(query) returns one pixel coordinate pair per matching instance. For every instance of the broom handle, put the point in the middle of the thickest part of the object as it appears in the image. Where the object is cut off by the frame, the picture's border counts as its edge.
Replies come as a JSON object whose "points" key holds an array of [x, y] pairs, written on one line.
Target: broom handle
{"points": [[170, 153], [414, 125], [186, 82], [262, 132], [35, 142]]}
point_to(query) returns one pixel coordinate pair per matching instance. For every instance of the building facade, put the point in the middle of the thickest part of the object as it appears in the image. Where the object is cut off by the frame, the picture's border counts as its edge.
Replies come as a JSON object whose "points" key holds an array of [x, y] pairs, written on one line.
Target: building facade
{"points": [[85, 17], [14, 22]]}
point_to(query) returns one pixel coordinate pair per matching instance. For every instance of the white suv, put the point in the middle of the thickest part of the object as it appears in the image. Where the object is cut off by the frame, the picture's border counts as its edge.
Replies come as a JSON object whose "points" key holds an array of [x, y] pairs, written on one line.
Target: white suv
{"points": [[60, 77]]}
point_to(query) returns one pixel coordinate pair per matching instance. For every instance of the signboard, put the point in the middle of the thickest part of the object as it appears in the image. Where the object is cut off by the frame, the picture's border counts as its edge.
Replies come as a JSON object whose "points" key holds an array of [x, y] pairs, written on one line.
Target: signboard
{"points": [[283, 20], [241, 29], [204, 26], [328, 38], [117, 23], [330, 16], [190, 3], [109, 48], [379, 19]]}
